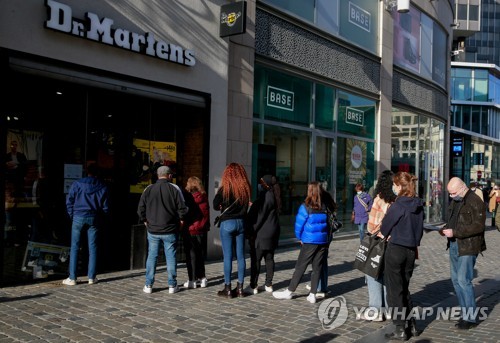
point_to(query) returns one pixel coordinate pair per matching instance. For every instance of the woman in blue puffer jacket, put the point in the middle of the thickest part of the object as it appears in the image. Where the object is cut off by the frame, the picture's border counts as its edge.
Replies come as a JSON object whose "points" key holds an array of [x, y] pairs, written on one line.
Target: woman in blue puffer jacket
{"points": [[311, 229]]}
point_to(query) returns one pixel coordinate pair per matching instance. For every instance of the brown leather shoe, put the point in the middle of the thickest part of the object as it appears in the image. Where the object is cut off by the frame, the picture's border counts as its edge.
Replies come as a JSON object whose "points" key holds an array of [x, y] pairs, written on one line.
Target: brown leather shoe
{"points": [[226, 292]]}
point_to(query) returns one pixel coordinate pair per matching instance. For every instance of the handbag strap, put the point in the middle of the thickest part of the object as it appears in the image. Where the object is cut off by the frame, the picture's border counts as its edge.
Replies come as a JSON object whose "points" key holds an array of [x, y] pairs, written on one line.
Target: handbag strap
{"points": [[227, 208], [362, 203]]}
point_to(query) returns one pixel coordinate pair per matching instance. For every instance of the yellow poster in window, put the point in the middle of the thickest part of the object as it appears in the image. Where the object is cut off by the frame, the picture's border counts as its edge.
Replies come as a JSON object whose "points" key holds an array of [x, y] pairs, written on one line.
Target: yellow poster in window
{"points": [[147, 157]]}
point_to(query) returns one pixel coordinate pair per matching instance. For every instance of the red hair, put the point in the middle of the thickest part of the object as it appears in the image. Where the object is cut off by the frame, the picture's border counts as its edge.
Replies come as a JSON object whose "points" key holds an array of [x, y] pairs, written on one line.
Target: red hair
{"points": [[235, 182]]}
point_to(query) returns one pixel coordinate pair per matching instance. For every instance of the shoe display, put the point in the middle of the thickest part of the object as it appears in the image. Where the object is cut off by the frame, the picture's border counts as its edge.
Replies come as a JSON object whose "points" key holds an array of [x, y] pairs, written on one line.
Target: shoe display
{"points": [[69, 282], [173, 289], [311, 298], [189, 284], [286, 294], [465, 325], [268, 288], [148, 289], [93, 281], [203, 282]]}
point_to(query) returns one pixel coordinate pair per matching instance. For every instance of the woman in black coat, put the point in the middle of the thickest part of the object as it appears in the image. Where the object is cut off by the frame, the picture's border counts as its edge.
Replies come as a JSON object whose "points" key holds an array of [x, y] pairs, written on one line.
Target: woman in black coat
{"points": [[263, 233]]}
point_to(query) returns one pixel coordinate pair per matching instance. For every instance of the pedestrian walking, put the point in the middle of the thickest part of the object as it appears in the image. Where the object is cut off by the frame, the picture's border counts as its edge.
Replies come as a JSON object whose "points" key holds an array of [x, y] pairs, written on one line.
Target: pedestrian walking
{"points": [[233, 199], [466, 220], [162, 210], [87, 204], [362, 204]]}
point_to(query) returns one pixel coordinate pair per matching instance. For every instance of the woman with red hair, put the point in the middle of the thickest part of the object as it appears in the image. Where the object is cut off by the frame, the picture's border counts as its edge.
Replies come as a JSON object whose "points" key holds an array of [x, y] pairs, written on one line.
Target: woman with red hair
{"points": [[232, 199]]}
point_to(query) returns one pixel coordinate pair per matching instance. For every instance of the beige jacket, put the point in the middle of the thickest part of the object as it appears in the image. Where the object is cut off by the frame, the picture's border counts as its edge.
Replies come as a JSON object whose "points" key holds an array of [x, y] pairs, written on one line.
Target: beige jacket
{"points": [[493, 199]]}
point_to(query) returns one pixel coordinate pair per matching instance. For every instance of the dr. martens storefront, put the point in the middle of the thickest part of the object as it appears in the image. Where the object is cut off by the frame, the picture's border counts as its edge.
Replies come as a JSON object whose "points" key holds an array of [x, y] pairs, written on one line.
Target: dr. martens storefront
{"points": [[123, 86]]}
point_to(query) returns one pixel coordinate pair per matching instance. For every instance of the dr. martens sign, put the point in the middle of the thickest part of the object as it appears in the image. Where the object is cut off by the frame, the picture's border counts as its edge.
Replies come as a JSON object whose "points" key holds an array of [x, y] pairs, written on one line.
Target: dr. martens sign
{"points": [[101, 30]]}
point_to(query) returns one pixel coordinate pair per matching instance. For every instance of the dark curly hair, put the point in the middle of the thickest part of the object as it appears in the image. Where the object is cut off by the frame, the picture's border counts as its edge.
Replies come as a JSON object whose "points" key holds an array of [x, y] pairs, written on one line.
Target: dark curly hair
{"points": [[384, 186]]}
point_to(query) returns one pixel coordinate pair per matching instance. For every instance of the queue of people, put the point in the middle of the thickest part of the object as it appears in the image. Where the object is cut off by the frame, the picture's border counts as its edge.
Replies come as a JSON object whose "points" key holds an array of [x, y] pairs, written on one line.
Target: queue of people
{"points": [[395, 213]]}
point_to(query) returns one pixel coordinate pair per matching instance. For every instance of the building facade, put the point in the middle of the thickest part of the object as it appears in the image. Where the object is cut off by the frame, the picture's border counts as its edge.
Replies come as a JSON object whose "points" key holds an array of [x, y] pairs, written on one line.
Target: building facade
{"points": [[475, 93], [322, 90]]}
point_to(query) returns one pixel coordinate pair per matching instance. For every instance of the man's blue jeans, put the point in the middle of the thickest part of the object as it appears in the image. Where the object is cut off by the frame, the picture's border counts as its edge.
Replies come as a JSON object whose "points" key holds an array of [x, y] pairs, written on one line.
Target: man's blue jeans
{"points": [[361, 228], [170, 247], [80, 224], [232, 232], [462, 273]]}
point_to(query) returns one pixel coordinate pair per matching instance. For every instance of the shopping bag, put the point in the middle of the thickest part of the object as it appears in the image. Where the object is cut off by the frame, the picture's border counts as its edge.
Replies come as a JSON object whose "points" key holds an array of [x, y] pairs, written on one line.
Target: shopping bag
{"points": [[370, 255]]}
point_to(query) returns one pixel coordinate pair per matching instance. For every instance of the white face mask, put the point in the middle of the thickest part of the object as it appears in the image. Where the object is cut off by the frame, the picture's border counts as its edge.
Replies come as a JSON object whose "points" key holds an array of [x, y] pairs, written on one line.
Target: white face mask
{"points": [[360, 192], [394, 190]]}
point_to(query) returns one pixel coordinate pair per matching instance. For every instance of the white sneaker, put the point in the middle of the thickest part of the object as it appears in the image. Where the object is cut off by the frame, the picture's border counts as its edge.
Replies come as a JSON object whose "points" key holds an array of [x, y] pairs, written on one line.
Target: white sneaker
{"points": [[204, 282], [308, 287], [286, 294], [311, 298], [148, 289], [251, 290], [69, 282], [173, 290], [93, 281], [268, 288], [320, 295], [190, 284]]}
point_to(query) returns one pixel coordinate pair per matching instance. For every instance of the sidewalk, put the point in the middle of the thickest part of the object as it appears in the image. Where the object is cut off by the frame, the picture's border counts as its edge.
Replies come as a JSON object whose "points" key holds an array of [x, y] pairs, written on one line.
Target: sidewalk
{"points": [[116, 309]]}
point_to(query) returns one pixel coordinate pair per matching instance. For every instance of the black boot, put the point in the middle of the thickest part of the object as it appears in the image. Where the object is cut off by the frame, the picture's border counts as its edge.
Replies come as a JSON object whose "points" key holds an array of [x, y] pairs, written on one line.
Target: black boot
{"points": [[412, 328], [226, 292], [238, 291], [398, 334]]}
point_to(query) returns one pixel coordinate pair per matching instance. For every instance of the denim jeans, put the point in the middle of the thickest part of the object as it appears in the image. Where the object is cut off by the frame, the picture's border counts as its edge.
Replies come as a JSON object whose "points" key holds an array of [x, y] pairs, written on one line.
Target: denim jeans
{"points": [[377, 292], [361, 228], [170, 248], [79, 225], [232, 232], [462, 273]]}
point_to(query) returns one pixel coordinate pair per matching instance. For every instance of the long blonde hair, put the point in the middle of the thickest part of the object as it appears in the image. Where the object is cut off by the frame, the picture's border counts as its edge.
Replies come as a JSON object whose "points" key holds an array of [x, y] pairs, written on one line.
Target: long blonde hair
{"points": [[235, 182]]}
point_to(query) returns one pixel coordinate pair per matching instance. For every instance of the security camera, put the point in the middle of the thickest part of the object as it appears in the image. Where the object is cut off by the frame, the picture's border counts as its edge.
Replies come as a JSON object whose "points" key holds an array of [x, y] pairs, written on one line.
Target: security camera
{"points": [[403, 6]]}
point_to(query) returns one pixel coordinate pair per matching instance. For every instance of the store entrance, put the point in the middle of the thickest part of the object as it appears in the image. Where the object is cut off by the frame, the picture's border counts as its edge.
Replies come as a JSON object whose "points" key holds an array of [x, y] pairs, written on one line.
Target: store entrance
{"points": [[53, 130]]}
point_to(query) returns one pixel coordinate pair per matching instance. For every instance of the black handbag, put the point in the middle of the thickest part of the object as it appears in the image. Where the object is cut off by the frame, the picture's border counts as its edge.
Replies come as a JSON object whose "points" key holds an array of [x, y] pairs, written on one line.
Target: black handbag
{"points": [[370, 255], [333, 224]]}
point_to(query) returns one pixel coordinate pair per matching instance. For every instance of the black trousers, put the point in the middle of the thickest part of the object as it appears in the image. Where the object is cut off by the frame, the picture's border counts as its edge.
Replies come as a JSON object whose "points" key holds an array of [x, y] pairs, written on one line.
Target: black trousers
{"points": [[398, 270], [256, 255], [194, 246], [309, 254]]}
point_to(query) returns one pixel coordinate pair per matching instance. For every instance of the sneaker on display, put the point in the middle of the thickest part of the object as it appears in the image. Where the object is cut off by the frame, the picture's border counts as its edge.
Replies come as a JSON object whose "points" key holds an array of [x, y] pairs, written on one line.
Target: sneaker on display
{"points": [[69, 282]]}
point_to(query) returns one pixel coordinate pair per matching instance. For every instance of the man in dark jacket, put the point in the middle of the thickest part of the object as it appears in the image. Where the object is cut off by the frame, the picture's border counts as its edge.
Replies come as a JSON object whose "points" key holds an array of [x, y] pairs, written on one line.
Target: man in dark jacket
{"points": [[86, 204], [466, 219], [162, 209]]}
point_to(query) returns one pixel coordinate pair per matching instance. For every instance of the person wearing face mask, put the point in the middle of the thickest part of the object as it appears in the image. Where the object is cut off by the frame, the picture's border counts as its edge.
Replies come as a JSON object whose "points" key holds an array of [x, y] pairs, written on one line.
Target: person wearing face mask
{"points": [[403, 224], [466, 221], [361, 207]]}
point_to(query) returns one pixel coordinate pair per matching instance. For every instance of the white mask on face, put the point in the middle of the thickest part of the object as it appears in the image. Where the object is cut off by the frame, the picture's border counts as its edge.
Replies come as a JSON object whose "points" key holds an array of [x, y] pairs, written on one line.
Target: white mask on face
{"points": [[360, 192]]}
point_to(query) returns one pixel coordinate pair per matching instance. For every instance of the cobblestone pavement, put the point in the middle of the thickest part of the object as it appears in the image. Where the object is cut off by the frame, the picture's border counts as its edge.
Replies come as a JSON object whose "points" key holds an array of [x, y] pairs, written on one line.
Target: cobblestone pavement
{"points": [[117, 310]]}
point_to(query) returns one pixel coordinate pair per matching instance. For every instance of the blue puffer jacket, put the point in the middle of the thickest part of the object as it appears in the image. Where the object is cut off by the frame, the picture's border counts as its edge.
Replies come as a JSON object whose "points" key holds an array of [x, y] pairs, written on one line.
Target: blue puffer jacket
{"points": [[311, 226]]}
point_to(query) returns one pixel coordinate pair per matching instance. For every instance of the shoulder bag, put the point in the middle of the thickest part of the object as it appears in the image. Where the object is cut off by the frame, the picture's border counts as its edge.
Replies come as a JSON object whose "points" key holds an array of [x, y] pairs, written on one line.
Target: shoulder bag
{"points": [[369, 258]]}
